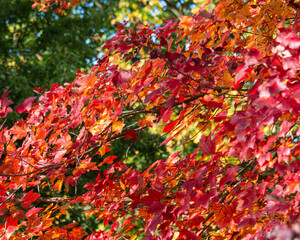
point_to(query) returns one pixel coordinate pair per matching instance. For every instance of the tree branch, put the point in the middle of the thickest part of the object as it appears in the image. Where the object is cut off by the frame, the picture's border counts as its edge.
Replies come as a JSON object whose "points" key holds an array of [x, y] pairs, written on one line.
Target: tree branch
{"points": [[173, 9]]}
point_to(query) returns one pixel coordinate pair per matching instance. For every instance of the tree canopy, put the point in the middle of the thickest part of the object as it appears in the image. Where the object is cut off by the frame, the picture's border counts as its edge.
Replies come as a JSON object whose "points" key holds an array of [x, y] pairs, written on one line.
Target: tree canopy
{"points": [[39, 47], [229, 75]]}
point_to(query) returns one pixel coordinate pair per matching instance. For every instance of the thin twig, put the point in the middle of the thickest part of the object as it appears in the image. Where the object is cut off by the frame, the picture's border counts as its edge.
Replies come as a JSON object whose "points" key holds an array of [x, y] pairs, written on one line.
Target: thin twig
{"points": [[5, 227]]}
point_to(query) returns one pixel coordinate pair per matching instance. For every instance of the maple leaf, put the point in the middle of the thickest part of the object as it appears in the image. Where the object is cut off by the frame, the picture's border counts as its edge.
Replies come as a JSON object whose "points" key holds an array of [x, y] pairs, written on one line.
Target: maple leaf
{"points": [[120, 77], [19, 129], [288, 38], [242, 72], [248, 220], [29, 198], [170, 126], [187, 23], [148, 121], [108, 160], [152, 224], [117, 126], [252, 57], [239, 181], [4, 103], [33, 211], [223, 214], [131, 134], [207, 145], [26, 105]]}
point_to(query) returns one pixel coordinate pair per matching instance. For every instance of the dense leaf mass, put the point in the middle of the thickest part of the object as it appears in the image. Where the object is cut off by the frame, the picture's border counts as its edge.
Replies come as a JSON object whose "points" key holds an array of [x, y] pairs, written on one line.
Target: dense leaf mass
{"points": [[232, 74]]}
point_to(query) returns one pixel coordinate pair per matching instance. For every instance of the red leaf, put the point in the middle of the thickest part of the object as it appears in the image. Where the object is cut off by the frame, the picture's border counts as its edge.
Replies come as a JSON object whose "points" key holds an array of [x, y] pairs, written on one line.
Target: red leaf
{"points": [[2, 193], [117, 80], [5, 94], [186, 234], [125, 75], [134, 187], [220, 117], [248, 220], [229, 175], [65, 5], [4, 103], [163, 42], [152, 223], [156, 206], [170, 126], [207, 146], [120, 77], [33, 211], [252, 56], [175, 58], [71, 180], [131, 134], [288, 38], [39, 90], [153, 195], [26, 105], [296, 26], [241, 74], [29, 198]]}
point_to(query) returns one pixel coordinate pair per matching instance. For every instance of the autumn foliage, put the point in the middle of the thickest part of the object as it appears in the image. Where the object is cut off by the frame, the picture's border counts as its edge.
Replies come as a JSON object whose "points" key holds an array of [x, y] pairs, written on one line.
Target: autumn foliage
{"points": [[232, 73]]}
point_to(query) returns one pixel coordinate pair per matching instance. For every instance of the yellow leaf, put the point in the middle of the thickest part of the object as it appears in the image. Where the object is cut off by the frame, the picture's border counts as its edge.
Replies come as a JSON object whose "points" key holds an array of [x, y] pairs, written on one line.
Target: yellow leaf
{"points": [[122, 185], [133, 237], [117, 127], [58, 185], [49, 206], [176, 235], [102, 150]]}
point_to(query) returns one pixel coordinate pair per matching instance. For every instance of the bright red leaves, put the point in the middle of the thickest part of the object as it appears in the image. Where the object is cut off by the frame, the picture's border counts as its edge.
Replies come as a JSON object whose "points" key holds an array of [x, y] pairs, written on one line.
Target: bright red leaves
{"points": [[4, 103], [207, 145], [120, 77], [29, 198], [26, 105], [131, 134], [222, 77]]}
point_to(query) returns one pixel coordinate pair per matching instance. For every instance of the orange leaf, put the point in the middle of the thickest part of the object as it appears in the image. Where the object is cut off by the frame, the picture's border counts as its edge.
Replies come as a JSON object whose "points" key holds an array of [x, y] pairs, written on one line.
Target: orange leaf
{"points": [[187, 23], [148, 121], [117, 127], [109, 160], [103, 149], [58, 185], [20, 129]]}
